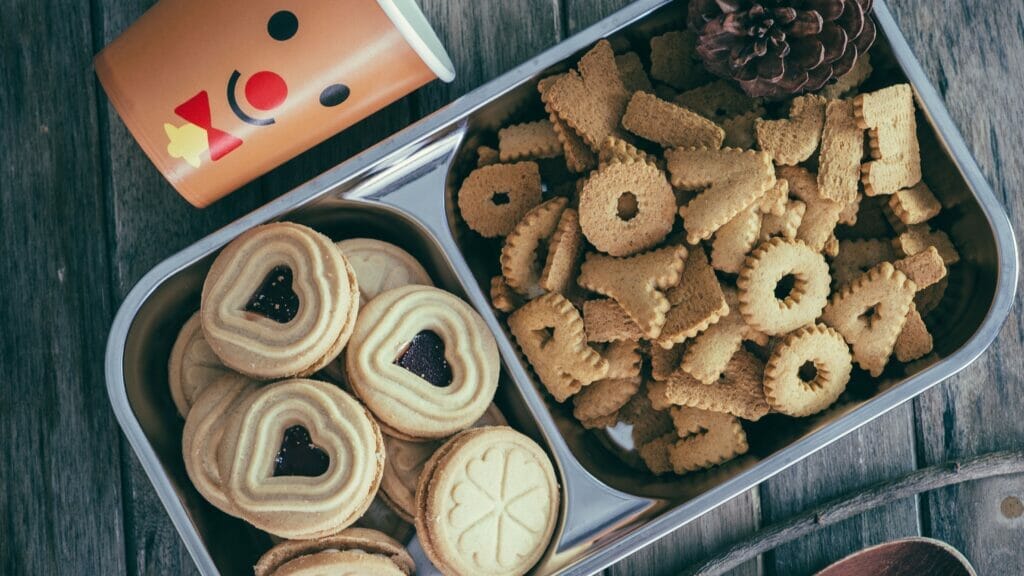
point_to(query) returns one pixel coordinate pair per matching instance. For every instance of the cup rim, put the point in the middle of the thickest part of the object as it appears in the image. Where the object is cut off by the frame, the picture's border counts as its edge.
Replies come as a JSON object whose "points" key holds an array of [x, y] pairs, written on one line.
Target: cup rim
{"points": [[408, 17]]}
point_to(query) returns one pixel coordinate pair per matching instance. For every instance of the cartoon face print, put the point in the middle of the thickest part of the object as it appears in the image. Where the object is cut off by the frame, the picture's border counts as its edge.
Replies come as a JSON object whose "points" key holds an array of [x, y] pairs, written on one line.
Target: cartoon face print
{"points": [[254, 102]]}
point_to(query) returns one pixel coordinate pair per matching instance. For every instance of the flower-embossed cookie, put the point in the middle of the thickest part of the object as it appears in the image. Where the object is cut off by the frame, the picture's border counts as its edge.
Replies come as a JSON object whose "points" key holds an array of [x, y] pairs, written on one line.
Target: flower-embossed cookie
{"points": [[388, 555], [280, 300], [381, 266], [549, 330], [193, 365], [487, 503], [423, 361], [405, 462], [301, 459]]}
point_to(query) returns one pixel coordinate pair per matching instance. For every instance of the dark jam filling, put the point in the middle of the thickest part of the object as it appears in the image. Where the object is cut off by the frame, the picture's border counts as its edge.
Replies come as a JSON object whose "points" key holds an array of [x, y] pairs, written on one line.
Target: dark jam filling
{"points": [[298, 455], [275, 299], [424, 357]]}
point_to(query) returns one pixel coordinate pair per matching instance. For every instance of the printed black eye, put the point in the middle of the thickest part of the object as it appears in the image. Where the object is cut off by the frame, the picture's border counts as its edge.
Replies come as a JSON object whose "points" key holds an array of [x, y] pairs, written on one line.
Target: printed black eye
{"points": [[282, 25]]}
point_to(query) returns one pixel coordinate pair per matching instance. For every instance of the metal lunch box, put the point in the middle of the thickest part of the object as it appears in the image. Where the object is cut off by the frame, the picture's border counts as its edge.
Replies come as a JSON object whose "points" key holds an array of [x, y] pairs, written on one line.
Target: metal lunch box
{"points": [[402, 191]]}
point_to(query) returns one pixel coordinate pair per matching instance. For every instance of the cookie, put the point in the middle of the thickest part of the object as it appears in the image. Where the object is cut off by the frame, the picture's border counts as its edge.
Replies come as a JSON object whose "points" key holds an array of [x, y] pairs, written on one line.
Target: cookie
{"points": [[340, 562], [485, 156], [626, 207], [493, 199], [381, 266], [280, 300], [915, 205], [857, 257], [579, 157], [842, 148], [776, 199], [821, 215], [632, 72], [919, 237], [732, 179], [521, 260], [565, 251], [696, 302], [735, 240], [914, 341], [807, 371], [740, 132], [738, 391], [504, 298], [708, 355], [792, 140], [423, 361], [549, 331], [592, 100], [668, 125], [605, 397], [769, 305], [870, 312], [849, 82], [706, 439], [193, 365], [718, 101], [615, 149], [203, 432], [928, 300], [674, 60], [365, 540], [851, 211], [531, 140], [786, 226], [664, 361], [655, 454], [604, 320], [637, 283], [405, 461], [487, 503], [889, 116], [924, 269], [301, 459]]}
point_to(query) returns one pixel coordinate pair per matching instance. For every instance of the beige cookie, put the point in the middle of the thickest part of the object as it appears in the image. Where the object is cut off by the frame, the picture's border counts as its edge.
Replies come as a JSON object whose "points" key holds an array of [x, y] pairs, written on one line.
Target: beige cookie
{"points": [[280, 300], [381, 266], [347, 562], [193, 365], [363, 540], [487, 503], [405, 462], [423, 361], [301, 459]]}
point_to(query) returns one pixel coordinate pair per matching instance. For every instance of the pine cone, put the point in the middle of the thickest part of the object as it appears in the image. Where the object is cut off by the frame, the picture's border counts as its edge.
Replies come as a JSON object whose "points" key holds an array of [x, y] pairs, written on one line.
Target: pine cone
{"points": [[780, 48]]}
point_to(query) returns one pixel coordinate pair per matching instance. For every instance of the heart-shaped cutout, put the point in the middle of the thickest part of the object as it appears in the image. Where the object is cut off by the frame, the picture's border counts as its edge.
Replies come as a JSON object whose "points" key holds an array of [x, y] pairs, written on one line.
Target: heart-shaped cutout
{"points": [[424, 357], [298, 455], [275, 298]]}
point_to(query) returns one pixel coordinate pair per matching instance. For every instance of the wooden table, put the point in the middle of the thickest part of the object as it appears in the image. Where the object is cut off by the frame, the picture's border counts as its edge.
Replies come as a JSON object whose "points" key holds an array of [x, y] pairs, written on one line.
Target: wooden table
{"points": [[83, 215]]}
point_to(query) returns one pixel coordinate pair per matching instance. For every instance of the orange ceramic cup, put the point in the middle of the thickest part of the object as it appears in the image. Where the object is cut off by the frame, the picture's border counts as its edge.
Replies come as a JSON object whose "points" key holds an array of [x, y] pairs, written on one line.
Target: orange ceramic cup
{"points": [[218, 92]]}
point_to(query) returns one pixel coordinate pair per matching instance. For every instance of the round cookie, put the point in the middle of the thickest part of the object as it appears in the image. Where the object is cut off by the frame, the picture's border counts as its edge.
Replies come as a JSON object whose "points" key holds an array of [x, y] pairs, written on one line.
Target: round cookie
{"points": [[347, 562], [192, 366], [280, 300], [487, 503], [381, 266], [365, 540], [204, 431], [405, 462], [423, 361], [301, 459]]}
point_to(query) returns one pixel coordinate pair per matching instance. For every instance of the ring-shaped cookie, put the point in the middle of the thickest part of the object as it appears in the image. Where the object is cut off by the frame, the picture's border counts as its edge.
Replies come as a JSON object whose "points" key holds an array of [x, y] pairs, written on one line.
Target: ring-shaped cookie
{"points": [[193, 365], [619, 227], [301, 507], [403, 402], [785, 387], [322, 280], [762, 272]]}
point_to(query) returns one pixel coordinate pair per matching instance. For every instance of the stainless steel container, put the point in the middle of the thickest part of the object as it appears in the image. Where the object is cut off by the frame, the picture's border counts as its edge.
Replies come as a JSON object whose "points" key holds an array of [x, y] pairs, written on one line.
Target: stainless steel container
{"points": [[401, 191]]}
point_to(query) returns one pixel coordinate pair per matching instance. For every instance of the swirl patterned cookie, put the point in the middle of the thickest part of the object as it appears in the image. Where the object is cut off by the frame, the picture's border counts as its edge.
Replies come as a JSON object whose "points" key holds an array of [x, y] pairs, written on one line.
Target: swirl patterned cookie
{"points": [[487, 503], [301, 459], [423, 361], [193, 365], [280, 300], [362, 540]]}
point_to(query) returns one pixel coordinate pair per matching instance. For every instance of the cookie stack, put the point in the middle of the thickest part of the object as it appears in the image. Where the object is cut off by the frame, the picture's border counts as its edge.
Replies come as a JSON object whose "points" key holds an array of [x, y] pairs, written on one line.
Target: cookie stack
{"points": [[303, 459], [702, 258]]}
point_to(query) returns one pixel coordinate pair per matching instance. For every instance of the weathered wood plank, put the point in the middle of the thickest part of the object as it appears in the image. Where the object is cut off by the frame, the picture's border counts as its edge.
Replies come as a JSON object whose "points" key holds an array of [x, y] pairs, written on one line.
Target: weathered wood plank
{"points": [[729, 522], [880, 450], [60, 501], [978, 410]]}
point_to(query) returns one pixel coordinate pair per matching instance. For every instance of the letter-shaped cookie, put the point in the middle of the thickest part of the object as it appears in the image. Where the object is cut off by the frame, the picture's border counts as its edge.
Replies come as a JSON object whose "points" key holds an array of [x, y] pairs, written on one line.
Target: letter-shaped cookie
{"points": [[549, 330], [706, 439], [637, 283], [793, 140], [889, 114]]}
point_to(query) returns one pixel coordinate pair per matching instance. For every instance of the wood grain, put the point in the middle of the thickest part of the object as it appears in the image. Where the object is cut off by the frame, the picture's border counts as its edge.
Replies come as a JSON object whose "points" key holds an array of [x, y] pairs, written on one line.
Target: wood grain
{"points": [[979, 410], [60, 499]]}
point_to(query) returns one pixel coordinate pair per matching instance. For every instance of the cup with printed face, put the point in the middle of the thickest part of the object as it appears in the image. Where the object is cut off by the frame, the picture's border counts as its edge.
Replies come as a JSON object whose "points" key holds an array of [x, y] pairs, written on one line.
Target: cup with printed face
{"points": [[218, 92]]}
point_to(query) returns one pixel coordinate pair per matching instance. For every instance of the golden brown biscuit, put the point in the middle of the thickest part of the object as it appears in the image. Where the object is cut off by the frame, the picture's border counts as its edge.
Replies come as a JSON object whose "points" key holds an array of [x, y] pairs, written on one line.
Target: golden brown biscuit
{"points": [[494, 198], [669, 125], [193, 365]]}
